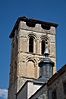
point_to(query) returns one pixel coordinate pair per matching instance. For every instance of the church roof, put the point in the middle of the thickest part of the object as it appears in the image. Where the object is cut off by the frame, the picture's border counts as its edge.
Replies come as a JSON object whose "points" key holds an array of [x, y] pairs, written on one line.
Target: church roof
{"points": [[32, 21], [57, 75], [34, 81]]}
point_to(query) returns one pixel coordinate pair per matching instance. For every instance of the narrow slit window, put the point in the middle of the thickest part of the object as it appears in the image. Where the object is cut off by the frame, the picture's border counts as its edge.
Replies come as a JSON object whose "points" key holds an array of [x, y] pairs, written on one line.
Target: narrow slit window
{"points": [[64, 87], [31, 44], [42, 47], [54, 94]]}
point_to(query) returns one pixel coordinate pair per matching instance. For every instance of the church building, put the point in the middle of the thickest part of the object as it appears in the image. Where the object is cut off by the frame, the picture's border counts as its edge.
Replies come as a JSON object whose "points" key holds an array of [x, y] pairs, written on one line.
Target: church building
{"points": [[33, 56]]}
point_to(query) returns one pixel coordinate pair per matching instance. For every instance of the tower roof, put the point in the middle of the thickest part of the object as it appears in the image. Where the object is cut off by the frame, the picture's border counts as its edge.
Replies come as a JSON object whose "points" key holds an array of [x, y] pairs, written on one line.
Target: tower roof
{"points": [[32, 21]]}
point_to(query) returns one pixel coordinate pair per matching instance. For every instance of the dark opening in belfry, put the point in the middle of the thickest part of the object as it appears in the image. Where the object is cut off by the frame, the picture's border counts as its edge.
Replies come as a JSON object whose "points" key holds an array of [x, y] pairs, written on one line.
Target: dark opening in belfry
{"points": [[31, 44], [42, 47]]}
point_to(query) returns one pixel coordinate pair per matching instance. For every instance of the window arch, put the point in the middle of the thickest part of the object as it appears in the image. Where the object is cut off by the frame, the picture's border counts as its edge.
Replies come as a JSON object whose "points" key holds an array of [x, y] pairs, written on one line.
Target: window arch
{"points": [[30, 69], [31, 44], [44, 41], [42, 46]]}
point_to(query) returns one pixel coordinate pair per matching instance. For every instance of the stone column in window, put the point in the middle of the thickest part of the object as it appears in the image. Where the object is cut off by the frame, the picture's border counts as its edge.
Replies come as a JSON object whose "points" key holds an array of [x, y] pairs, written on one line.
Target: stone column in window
{"points": [[38, 46]]}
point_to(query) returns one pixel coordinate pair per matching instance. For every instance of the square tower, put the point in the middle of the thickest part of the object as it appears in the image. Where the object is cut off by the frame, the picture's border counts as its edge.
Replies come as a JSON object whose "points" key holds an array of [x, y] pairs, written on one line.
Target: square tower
{"points": [[28, 40]]}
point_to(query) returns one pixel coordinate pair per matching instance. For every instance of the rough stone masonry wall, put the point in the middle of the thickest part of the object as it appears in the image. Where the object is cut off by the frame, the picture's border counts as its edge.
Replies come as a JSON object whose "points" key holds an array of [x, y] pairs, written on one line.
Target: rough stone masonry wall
{"points": [[23, 48], [22, 56]]}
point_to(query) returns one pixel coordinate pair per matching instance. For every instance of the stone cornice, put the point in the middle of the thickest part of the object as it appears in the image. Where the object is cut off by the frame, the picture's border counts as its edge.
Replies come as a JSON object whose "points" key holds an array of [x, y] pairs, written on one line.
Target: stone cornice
{"points": [[31, 23]]}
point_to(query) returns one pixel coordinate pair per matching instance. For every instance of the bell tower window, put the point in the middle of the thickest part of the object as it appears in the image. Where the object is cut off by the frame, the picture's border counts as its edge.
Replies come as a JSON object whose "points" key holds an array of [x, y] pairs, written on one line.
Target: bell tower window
{"points": [[31, 45], [42, 47]]}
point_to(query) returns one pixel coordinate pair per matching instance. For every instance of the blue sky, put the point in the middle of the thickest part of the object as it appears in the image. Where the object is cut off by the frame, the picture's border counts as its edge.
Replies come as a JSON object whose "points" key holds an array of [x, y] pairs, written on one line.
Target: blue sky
{"points": [[46, 10]]}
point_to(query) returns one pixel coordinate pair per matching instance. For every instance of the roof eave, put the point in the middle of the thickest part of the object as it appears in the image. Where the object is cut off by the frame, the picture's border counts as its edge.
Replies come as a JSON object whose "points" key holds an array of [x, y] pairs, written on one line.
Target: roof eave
{"points": [[25, 19]]}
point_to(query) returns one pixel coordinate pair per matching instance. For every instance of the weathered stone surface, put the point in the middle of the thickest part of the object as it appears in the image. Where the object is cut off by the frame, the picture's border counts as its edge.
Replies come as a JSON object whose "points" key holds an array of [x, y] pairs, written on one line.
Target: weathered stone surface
{"points": [[51, 38], [37, 27], [52, 50], [26, 62]]}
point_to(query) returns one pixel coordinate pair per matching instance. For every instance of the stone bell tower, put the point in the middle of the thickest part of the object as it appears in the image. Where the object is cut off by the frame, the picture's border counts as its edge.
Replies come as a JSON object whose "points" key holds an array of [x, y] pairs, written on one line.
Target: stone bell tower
{"points": [[28, 40]]}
